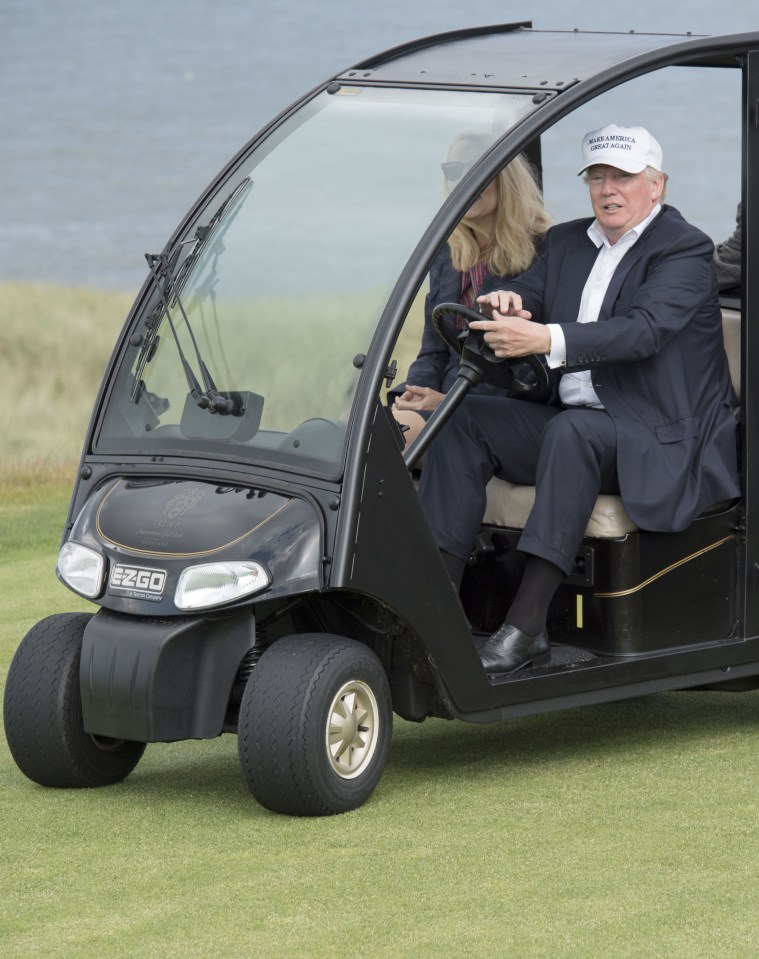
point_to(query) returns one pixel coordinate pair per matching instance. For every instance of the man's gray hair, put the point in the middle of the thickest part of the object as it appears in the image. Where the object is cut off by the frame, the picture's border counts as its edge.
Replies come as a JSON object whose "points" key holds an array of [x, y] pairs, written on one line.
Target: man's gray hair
{"points": [[653, 174]]}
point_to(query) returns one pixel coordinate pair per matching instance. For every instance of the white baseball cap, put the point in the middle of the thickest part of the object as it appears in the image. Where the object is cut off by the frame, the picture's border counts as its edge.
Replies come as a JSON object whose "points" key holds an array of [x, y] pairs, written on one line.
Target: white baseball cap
{"points": [[631, 149]]}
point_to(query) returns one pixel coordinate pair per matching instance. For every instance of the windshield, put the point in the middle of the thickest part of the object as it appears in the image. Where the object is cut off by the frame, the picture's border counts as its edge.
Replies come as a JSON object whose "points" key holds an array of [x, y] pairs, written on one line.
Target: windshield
{"points": [[283, 277]]}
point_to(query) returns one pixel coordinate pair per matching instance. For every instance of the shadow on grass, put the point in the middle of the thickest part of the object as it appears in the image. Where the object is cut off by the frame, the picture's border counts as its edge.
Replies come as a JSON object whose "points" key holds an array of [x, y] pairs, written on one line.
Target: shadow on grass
{"points": [[194, 774], [675, 720], [192, 771]]}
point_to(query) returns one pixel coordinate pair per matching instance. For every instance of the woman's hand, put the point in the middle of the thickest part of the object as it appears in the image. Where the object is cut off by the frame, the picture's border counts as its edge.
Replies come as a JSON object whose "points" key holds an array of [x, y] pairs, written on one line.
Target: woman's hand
{"points": [[418, 398]]}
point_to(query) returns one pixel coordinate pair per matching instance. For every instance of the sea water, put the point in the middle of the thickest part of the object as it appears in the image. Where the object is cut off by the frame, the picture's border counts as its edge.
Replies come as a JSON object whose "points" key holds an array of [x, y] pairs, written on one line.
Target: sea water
{"points": [[115, 114]]}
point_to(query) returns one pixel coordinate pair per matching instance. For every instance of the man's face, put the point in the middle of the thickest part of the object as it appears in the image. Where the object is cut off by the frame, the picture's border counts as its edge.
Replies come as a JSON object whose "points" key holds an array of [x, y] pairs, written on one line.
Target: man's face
{"points": [[621, 200]]}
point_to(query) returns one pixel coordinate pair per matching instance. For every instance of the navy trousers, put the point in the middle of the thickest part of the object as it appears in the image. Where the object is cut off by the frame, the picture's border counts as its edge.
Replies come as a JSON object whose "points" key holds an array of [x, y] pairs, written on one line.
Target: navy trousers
{"points": [[568, 454]]}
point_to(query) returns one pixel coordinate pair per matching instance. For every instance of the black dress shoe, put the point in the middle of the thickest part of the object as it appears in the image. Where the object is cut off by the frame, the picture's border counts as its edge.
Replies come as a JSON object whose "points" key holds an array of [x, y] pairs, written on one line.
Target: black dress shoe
{"points": [[509, 649]]}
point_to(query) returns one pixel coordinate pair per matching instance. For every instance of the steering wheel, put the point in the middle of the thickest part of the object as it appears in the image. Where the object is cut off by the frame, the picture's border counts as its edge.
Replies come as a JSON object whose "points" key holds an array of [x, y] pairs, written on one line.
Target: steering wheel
{"points": [[520, 374]]}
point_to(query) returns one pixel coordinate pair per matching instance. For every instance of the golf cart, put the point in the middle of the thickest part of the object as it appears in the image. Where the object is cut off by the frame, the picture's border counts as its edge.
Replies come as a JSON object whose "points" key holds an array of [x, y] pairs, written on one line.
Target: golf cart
{"points": [[245, 514]]}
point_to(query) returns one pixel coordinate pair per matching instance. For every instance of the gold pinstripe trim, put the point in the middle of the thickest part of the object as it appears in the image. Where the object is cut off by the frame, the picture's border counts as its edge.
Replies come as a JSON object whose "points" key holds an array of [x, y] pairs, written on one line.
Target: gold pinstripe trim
{"points": [[663, 572], [163, 555]]}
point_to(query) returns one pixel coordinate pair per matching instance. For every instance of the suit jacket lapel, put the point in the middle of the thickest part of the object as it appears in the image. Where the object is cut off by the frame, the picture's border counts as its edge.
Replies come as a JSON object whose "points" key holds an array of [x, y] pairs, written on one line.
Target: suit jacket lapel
{"points": [[625, 265], [575, 270]]}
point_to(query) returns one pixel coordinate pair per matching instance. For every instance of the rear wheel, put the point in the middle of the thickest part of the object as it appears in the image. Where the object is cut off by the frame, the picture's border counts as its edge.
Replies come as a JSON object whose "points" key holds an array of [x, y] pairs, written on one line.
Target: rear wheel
{"points": [[43, 712], [315, 725]]}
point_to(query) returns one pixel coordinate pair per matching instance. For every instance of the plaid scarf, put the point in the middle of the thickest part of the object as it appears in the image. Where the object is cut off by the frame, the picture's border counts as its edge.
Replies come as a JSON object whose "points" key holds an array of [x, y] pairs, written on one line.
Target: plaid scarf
{"points": [[471, 283]]}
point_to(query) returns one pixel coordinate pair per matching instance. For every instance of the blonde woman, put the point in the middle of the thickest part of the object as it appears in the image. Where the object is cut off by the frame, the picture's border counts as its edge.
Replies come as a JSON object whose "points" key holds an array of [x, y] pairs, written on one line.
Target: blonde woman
{"points": [[497, 238]]}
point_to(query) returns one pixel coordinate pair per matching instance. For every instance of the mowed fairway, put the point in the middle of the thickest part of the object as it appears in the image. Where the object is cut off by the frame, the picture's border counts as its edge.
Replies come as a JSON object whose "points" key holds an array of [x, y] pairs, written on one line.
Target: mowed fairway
{"points": [[621, 830]]}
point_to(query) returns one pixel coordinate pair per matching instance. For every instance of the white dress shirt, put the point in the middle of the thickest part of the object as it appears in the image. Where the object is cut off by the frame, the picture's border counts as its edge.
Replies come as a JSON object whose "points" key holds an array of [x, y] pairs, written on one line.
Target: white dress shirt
{"points": [[576, 389]]}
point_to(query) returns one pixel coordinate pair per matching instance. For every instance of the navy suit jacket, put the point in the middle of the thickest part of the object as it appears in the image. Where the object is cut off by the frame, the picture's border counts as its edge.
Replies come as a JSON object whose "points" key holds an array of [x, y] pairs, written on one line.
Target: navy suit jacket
{"points": [[657, 359]]}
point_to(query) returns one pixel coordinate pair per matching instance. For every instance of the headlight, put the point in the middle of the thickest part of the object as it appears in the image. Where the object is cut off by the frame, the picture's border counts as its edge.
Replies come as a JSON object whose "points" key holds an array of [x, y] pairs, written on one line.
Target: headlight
{"points": [[82, 569], [214, 584]]}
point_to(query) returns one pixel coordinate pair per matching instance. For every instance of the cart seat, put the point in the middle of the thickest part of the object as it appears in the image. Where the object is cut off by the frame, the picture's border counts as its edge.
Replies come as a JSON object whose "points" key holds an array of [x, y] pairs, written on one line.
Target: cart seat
{"points": [[508, 504]]}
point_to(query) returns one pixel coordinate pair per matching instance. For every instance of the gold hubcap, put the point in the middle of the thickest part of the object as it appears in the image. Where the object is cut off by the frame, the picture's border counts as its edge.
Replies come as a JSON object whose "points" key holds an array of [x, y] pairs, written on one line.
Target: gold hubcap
{"points": [[352, 729]]}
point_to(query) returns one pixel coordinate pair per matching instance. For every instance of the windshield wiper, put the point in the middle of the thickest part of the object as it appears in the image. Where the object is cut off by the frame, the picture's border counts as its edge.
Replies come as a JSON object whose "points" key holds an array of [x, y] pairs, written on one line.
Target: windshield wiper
{"points": [[203, 233], [162, 266], [210, 398]]}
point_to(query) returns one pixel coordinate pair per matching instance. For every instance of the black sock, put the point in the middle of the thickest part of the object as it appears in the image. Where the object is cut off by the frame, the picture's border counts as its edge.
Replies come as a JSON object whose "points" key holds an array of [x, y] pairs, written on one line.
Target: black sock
{"points": [[529, 610], [455, 567]]}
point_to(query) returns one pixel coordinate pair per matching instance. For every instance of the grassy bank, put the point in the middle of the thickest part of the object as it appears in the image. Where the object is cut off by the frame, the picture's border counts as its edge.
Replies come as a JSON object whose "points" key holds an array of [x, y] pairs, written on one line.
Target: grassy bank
{"points": [[620, 830], [55, 346]]}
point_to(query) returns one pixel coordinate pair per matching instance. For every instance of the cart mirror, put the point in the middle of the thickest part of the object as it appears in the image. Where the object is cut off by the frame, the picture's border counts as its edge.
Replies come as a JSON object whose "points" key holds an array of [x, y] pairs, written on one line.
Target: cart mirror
{"points": [[202, 424]]}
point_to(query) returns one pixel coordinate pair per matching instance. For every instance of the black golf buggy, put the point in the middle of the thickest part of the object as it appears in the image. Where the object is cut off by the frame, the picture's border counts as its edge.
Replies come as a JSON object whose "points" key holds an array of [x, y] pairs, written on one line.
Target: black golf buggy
{"points": [[245, 514]]}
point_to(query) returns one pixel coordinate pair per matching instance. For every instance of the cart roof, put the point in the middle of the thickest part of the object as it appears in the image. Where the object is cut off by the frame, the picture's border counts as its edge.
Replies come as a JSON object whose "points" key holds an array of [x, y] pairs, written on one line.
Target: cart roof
{"points": [[517, 57]]}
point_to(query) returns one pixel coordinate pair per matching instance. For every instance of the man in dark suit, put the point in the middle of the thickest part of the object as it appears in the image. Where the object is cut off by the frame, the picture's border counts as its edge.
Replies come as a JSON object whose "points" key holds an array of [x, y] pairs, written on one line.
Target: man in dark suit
{"points": [[625, 307]]}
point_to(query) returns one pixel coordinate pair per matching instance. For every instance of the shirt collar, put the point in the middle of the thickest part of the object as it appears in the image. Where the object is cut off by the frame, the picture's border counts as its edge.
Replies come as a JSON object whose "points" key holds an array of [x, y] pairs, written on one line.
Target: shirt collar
{"points": [[600, 239]]}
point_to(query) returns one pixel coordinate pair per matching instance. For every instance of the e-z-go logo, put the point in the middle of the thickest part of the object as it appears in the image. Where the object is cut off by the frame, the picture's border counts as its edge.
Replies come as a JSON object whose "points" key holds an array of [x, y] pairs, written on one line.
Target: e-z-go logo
{"points": [[137, 582]]}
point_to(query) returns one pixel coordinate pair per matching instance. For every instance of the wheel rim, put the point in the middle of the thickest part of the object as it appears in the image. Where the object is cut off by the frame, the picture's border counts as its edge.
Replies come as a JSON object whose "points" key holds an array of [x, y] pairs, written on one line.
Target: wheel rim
{"points": [[352, 729]]}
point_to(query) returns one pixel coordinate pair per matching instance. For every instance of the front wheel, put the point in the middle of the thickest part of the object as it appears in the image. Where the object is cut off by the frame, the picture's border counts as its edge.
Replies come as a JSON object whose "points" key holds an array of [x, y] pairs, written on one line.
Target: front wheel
{"points": [[315, 725], [43, 712]]}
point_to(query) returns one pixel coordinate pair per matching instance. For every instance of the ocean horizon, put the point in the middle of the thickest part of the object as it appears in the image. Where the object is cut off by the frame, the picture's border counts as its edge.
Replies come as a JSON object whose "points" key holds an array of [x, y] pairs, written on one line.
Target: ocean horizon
{"points": [[116, 116]]}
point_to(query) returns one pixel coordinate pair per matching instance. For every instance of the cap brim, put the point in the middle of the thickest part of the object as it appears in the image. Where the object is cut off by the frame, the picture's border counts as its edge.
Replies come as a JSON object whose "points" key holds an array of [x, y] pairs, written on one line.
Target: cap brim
{"points": [[614, 161]]}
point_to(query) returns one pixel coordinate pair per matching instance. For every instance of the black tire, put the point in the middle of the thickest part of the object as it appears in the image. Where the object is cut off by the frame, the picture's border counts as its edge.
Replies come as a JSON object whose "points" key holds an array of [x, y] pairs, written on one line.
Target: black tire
{"points": [[301, 687], [43, 712]]}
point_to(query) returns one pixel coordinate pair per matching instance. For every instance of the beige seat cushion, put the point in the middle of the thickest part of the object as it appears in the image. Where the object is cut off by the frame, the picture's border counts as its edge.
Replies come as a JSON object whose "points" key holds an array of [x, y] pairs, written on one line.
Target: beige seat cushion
{"points": [[731, 332], [509, 505]]}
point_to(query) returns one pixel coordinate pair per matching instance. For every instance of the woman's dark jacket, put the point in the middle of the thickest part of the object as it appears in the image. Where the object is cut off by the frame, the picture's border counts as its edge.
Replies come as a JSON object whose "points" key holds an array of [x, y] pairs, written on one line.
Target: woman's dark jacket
{"points": [[436, 365]]}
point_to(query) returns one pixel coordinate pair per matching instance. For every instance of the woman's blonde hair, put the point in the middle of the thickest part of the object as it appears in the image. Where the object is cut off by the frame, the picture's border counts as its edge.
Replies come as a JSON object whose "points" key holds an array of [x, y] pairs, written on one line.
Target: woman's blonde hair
{"points": [[520, 221]]}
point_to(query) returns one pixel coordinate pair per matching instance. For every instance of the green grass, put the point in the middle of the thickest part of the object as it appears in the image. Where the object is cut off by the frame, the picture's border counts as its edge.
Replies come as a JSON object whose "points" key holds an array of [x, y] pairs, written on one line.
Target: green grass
{"points": [[623, 830]]}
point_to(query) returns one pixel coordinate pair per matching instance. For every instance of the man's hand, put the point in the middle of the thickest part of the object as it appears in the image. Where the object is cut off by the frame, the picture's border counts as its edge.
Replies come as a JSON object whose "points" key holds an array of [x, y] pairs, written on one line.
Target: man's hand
{"points": [[504, 302], [418, 398], [510, 330]]}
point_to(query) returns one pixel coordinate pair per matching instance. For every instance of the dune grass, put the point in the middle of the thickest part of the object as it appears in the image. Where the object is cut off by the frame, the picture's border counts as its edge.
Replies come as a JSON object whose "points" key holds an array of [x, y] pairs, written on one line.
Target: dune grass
{"points": [[626, 830], [54, 346]]}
